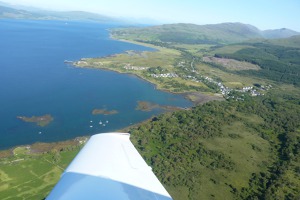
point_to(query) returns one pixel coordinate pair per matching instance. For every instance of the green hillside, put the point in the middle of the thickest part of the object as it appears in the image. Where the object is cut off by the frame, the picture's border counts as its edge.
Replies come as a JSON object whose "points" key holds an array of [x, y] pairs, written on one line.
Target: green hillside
{"points": [[278, 63], [199, 34], [293, 41], [227, 150], [191, 33]]}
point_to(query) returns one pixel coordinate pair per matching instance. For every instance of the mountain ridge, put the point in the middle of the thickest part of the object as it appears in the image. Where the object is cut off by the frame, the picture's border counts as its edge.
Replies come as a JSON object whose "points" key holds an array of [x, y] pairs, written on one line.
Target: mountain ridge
{"points": [[228, 32], [211, 33], [279, 33]]}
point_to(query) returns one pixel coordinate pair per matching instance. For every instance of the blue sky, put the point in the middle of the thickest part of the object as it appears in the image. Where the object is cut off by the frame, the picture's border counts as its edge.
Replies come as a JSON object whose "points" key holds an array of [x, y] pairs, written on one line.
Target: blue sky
{"points": [[264, 14]]}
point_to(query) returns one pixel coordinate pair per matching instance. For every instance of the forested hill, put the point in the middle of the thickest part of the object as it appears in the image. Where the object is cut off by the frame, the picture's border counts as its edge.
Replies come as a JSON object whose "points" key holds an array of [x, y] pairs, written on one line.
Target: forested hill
{"points": [[199, 34]]}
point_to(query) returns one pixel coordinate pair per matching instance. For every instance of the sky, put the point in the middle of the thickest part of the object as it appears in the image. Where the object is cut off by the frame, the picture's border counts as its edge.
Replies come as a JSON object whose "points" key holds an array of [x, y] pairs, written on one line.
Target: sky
{"points": [[264, 14]]}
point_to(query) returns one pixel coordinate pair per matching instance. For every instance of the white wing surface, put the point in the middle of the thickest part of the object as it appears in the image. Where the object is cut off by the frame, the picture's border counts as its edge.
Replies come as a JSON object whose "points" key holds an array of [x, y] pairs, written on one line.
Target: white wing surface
{"points": [[109, 167]]}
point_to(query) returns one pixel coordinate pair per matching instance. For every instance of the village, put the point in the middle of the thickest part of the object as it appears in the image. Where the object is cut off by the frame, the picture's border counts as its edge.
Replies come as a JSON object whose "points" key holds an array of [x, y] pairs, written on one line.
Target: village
{"points": [[224, 90]]}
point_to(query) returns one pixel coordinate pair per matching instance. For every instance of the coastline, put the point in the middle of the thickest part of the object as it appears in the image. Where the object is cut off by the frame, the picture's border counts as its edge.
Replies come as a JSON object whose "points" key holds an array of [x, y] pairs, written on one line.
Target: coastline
{"points": [[134, 42], [45, 147], [199, 97], [195, 97]]}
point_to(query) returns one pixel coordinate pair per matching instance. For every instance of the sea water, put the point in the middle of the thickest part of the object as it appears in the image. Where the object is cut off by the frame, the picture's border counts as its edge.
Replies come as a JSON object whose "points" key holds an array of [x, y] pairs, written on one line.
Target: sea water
{"points": [[34, 81]]}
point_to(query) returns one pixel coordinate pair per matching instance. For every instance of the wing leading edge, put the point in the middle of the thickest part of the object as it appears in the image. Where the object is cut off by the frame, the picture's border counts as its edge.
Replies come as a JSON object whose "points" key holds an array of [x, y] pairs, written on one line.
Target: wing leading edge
{"points": [[109, 167]]}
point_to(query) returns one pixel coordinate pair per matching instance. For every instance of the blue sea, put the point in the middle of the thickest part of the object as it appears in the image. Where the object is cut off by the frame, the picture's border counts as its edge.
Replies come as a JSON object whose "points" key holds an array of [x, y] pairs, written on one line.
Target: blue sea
{"points": [[34, 81]]}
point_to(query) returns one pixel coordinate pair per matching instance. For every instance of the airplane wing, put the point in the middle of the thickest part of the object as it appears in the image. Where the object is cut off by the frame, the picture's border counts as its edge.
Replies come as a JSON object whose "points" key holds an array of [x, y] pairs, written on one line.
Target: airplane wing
{"points": [[109, 167]]}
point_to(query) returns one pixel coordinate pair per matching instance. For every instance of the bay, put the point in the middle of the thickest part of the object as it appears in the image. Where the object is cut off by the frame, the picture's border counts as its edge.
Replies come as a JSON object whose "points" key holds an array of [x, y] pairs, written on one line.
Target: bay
{"points": [[34, 81]]}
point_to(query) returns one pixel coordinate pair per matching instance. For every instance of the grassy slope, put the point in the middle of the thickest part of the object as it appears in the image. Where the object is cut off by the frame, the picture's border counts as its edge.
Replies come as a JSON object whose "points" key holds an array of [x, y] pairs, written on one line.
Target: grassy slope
{"points": [[215, 182], [289, 42], [222, 165], [27, 175], [229, 79], [277, 63], [191, 33]]}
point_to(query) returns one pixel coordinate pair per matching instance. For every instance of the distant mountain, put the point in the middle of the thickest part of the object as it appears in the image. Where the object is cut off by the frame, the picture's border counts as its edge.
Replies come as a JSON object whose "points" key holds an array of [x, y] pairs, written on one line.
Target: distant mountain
{"points": [[80, 15], [279, 33], [191, 33], [12, 13], [18, 7], [6, 12], [223, 33]]}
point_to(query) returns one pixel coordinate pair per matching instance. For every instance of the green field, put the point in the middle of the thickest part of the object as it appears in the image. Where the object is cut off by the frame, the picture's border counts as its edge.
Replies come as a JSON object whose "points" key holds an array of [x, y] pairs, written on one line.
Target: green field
{"points": [[28, 175]]}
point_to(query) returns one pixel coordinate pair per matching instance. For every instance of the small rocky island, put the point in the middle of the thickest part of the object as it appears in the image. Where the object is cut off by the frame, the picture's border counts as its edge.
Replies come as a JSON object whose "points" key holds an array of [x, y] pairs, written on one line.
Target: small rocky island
{"points": [[39, 120], [104, 112]]}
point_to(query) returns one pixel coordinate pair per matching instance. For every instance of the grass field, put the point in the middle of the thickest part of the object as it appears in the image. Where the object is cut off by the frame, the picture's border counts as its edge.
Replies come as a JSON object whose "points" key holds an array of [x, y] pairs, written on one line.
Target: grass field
{"points": [[27, 175], [248, 152], [230, 80], [197, 49], [232, 64]]}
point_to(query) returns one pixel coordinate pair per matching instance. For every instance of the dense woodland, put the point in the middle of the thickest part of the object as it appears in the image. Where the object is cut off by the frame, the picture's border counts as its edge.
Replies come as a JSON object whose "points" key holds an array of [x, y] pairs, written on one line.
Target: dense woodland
{"points": [[173, 145]]}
